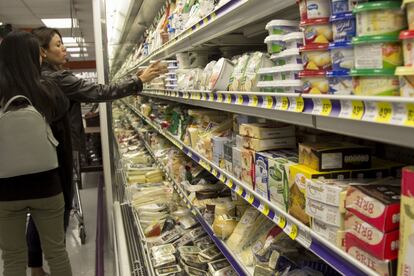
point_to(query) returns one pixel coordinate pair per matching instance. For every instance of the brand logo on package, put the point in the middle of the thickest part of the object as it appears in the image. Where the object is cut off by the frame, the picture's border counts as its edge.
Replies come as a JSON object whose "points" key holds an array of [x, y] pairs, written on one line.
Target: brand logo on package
{"points": [[313, 7]]}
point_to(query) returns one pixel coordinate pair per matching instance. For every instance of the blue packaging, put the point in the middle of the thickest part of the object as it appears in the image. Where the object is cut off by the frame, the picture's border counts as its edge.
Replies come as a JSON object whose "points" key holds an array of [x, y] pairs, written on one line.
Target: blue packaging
{"points": [[343, 26], [342, 56], [339, 6], [340, 82]]}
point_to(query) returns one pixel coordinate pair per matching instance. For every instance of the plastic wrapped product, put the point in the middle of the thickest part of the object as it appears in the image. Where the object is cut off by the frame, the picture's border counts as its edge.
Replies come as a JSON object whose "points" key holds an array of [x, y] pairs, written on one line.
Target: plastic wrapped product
{"points": [[220, 76]]}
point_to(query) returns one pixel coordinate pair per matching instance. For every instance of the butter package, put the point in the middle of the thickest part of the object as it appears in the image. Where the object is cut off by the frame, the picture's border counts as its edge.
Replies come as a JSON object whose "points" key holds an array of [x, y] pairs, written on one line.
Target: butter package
{"points": [[334, 156], [406, 253], [262, 173], [237, 162], [332, 233], [382, 267], [218, 150], [326, 213], [228, 157], [248, 166], [266, 131], [377, 203], [378, 244], [269, 144], [329, 191]]}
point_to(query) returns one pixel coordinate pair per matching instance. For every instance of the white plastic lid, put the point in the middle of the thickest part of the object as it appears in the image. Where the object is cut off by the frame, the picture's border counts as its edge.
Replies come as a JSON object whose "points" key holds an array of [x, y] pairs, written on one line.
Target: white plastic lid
{"points": [[280, 83], [272, 38], [286, 53], [283, 23], [283, 68], [293, 36], [292, 67]]}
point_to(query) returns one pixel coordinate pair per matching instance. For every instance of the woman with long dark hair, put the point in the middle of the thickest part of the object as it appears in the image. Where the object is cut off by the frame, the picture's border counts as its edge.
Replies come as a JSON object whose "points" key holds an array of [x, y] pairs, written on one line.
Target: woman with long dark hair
{"points": [[39, 194]]}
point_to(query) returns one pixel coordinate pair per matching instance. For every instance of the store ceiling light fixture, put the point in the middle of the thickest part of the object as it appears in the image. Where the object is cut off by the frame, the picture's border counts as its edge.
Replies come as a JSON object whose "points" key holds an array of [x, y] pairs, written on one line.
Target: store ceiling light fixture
{"points": [[61, 23], [69, 40], [75, 49], [79, 55]]}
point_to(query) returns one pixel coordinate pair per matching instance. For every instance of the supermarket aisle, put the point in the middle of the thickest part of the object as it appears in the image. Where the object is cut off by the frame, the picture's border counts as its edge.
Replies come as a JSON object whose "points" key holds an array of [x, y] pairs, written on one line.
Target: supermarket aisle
{"points": [[83, 256]]}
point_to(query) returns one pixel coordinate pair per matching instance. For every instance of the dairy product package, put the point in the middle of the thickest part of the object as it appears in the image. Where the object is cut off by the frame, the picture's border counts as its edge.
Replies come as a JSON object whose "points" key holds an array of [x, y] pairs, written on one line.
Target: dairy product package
{"points": [[238, 73], [250, 78], [248, 166], [326, 213], [266, 131], [243, 228], [329, 191], [237, 162], [269, 144], [228, 156], [220, 75], [332, 233], [218, 150]]}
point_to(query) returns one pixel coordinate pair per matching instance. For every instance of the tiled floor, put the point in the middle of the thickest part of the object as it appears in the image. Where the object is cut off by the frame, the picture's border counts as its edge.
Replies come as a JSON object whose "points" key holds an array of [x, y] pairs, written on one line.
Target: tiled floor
{"points": [[83, 256]]}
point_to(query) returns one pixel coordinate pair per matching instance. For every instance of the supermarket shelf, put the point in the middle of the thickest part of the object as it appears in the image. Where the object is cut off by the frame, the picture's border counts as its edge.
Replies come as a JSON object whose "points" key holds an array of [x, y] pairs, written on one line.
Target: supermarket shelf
{"points": [[333, 255], [383, 119], [233, 260], [229, 17]]}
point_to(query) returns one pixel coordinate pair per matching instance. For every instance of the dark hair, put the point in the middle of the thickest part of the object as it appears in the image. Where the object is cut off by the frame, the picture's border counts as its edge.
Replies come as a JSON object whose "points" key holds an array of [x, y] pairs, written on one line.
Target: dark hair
{"points": [[21, 75], [45, 35]]}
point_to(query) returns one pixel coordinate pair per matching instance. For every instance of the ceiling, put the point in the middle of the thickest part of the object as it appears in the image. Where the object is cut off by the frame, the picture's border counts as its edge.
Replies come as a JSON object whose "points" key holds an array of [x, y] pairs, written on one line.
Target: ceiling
{"points": [[28, 14]]}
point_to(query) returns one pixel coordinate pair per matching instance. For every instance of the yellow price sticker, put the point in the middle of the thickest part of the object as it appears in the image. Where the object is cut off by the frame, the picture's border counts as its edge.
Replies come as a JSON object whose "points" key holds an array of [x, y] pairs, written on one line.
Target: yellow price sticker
{"points": [[300, 104], [213, 15], [285, 103], [222, 178], [229, 183], [240, 100], [268, 102], [384, 114], [205, 20], [239, 190], [228, 98], [219, 98], [208, 167], [291, 230], [253, 100], [249, 198], [357, 110], [198, 96], [326, 107], [214, 172], [281, 221], [410, 115], [211, 97], [264, 209]]}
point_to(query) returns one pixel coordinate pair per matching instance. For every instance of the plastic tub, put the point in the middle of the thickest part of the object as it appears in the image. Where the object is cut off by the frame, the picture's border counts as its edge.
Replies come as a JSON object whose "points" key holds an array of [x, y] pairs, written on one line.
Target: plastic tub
{"points": [[312, 9], [282, 27], [317, 31], [314, 82], [407, 38], [406, 75], [343, 27], [288, 56], [293, 40], [275, 44], [343, 6], [379, 18], [285, 72], [221, 74], [375, 82], [377, 52], [340, 82], [281, 86], [409, 5], [342, 56], [316, 57]]}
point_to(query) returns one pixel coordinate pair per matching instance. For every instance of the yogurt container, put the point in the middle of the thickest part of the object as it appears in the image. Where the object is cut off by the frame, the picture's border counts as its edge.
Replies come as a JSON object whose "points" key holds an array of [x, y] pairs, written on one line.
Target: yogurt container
{"points": [[343, 27], [407, 38], [379, 18], [377, 52], [409, 5], [288, 56], [281, 86], [342, 56], [220, 75], [316, 57], [375, 82], [317, 31], [293, 40], [312, 9], [314, 82], [340, 82], [282, 27], [275, 44], [284, 72], [406, 75], [343, 6]]}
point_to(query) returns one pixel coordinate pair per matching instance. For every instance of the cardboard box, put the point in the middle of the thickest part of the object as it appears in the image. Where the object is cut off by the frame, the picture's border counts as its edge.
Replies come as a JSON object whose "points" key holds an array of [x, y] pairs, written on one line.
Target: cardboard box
{"points": [[334, 156], [332, 233], [266, 131], [262, 173], [269, 144], [239, 119], [329, 191], [239, 141], [228, 156], [218, 150], [248, 166], [237, 162], [382, 267], [406, 253], [326, 213], [379, 244], [377, 203]]}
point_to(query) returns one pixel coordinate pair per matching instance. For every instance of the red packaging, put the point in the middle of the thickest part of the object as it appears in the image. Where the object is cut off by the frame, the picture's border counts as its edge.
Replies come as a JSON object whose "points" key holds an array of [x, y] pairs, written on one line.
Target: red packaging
{"points": [[377, 204], [378, 244]]}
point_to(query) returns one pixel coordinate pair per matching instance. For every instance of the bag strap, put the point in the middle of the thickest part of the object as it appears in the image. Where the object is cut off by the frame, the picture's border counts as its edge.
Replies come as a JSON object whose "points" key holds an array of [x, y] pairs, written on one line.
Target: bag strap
{"points": [[6, 106]]}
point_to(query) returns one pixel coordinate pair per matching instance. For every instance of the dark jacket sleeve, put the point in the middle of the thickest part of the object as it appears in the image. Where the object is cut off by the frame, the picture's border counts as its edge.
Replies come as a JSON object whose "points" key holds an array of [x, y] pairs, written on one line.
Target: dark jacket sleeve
{"points": [[79, 90]]}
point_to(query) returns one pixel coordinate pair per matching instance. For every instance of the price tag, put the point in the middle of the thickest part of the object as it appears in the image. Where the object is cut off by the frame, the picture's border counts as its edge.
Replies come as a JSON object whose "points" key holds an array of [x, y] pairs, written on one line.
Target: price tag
{"points": [[211, 98], [280, 221], [253, 100], [198, 96], [250, 198], [264, 209], [228, 98], [291, 230], [219, 97], [192, 96], [239, 99], [181, 195], [295, 104], [267, 102], [326, 107], [188, 206], [399, 114], [214, 172], [186, 95], [208, 167], [410, 115], [384, 114], [282, 103], [222, 178], [205, 20], [203, 96], [239, 190], [229, 183], [370, 111]]}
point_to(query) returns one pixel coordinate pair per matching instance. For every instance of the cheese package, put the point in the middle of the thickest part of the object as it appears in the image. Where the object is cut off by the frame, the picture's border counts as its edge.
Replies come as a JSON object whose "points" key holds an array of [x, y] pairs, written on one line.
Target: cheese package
{"points": [[239, 141], [382, 267], [218, 150], [163, 250], [247, 167], [266, 131], [170, 270], [239, 119], [332, 233], [334, 156], [243, 228], [262, 173], [329, 191], [378, 244], [326, 213], [406, 265], [237, 162], [377, 204], [269, 144], [218, 265], [228, 157]]}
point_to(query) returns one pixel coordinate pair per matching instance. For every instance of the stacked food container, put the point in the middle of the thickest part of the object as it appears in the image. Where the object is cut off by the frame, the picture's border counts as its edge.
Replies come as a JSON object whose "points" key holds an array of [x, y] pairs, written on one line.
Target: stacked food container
{"points": [[171, 79]]}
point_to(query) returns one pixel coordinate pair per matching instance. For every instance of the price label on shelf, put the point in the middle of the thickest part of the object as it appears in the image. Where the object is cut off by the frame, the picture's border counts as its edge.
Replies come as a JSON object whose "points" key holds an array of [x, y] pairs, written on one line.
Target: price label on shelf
{"points": [[280, 221], [203, 163], [219, 97], [228, 99], [264, 209], [211, 97], [203, 96], [198, 96], [267, 102], [239, 190], [399, 114], [186, 95], [410, 115], [222, 178], [239, 100], [214, 172], [322, 107], [296, 104], [205, 20], [282, 103], [370, 111], [229, 183], [384, 112], [253, 100], [250, 198], [291, 229]]}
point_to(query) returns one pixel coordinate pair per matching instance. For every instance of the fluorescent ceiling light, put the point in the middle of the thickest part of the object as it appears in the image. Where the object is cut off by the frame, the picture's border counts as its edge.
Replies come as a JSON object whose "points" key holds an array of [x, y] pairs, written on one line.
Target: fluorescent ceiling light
{"points": [[60, 22], [1, 23], [76, 49], [79, 55], [72, 40]]}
